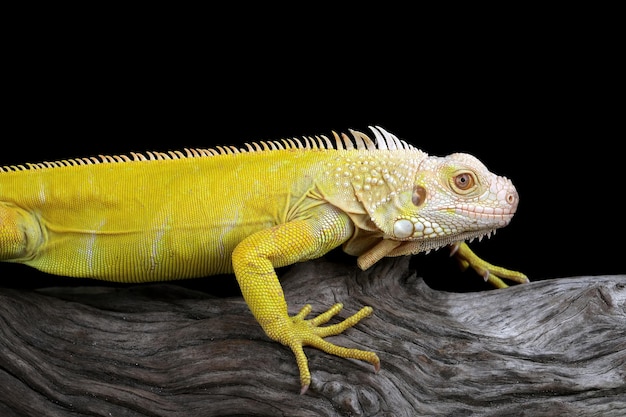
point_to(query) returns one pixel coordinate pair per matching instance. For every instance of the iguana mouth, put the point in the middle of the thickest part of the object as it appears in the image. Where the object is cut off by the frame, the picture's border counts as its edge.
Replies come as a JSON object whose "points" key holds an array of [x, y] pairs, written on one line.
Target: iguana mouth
{"points": [[487, 213]]}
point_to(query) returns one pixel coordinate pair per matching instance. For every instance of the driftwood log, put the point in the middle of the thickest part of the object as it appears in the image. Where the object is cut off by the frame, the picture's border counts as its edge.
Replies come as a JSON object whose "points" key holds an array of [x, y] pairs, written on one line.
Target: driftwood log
{"points": [[555, 347]]}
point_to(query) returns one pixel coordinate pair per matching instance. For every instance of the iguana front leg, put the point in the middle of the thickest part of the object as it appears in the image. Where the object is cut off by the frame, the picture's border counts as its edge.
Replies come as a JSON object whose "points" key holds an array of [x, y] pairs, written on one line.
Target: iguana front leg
{"points": [[254, 260], [464, 255], [491, 273]]}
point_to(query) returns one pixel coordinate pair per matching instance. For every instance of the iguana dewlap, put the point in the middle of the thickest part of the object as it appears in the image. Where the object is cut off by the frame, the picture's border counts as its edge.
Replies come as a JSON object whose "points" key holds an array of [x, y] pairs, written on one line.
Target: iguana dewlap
{"points": [[198, 212]]}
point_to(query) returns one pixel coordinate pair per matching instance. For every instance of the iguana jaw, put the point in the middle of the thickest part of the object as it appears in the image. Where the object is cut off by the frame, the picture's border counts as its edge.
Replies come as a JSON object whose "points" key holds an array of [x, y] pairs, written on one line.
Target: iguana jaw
{"points": [[442, 227]]}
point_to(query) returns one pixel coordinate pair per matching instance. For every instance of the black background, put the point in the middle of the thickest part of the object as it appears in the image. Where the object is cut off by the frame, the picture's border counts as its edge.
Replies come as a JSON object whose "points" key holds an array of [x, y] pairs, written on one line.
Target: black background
{"points": [[538, 102]]}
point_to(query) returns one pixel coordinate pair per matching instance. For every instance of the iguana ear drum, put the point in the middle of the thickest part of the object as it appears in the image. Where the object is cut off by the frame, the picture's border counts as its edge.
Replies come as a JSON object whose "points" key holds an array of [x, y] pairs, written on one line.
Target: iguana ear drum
{"points": [[419, 195]]}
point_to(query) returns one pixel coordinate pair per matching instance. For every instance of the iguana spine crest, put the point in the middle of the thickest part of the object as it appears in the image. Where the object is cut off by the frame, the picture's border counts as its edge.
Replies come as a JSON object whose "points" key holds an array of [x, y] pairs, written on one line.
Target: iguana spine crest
{"points": [[383, 140]]}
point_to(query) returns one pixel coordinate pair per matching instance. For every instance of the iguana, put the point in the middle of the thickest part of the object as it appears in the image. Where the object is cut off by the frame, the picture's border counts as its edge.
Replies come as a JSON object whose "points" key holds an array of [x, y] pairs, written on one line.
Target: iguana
{"points": [[159, 216]]}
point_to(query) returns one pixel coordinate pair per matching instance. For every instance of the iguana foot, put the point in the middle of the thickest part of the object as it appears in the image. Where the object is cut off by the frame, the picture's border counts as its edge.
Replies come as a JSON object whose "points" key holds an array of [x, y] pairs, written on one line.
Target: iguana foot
{"points": [[301, 332], [491, 273]]}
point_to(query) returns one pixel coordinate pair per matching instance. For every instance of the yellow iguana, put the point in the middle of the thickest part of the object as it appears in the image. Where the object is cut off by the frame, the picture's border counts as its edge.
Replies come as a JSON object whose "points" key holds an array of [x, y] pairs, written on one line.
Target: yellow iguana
{"points": [[197, 212]]}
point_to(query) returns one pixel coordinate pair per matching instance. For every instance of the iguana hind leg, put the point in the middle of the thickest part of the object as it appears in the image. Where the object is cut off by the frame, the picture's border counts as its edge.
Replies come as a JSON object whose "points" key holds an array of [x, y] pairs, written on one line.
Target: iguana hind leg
{"points": [[19, 233]]}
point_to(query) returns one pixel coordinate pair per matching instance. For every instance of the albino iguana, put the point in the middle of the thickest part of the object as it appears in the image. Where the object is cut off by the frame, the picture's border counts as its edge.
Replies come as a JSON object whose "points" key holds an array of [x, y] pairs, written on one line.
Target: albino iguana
{"points": [[197, 212]]}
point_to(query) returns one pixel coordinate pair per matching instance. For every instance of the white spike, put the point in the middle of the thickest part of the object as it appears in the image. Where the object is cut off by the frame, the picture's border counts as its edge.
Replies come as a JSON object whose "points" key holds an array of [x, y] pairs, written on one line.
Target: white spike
{"points": [[328, 144], [381, 143], [346, 140], [392, 140], [362, 140]]}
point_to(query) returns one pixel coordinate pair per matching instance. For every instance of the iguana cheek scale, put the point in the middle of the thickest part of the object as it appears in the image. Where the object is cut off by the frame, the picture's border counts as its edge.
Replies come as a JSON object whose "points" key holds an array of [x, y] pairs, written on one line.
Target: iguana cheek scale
{"points": [[197, 212]]}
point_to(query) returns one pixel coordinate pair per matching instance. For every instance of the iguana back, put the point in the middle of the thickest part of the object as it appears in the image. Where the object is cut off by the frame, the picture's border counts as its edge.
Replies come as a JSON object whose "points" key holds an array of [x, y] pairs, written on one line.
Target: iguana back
{"points": [[148, 220]]}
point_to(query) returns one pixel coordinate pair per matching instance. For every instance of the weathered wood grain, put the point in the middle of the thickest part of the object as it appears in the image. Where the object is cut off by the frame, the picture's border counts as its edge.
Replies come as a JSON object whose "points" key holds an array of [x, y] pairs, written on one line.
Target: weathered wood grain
{"points": [[554, 347]]}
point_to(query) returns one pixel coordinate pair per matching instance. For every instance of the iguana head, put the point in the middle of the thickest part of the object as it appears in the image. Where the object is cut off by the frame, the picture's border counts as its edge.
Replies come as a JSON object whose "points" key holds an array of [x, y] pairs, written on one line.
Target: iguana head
{"points": [[452, 198], [423, 202]]}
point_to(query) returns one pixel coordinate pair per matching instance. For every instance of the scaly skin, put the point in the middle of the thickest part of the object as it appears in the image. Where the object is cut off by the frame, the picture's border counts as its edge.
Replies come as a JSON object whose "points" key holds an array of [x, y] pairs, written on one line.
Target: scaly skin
{"points": [[175, 215]]}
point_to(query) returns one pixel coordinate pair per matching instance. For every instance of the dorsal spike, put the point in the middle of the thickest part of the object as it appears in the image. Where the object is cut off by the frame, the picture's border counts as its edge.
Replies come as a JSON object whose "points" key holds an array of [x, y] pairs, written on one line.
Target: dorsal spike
{"points": [[189, 153], [362, 140], [347, 142], [289, 144], [340, 141], [382, 136], [309, 143], [381, 143], [327, 143]]}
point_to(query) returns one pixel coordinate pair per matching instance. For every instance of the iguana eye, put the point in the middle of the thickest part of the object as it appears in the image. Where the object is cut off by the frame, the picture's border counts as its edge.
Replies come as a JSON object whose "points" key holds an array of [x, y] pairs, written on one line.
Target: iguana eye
{"points": [[464, 181]]}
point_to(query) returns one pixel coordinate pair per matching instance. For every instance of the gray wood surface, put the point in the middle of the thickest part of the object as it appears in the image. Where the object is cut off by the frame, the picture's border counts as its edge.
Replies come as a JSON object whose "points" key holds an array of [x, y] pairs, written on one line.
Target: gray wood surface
{"points": [[555, 347]]}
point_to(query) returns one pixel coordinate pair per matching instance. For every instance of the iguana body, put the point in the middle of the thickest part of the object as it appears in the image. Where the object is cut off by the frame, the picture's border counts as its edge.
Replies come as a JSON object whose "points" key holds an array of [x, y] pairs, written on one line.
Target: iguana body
{"points": [[165, 216]]}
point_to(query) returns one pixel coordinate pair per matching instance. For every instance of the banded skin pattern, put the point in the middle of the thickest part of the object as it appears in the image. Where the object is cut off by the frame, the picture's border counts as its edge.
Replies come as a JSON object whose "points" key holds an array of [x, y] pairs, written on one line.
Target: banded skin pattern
{"points": [[159, 216]]}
